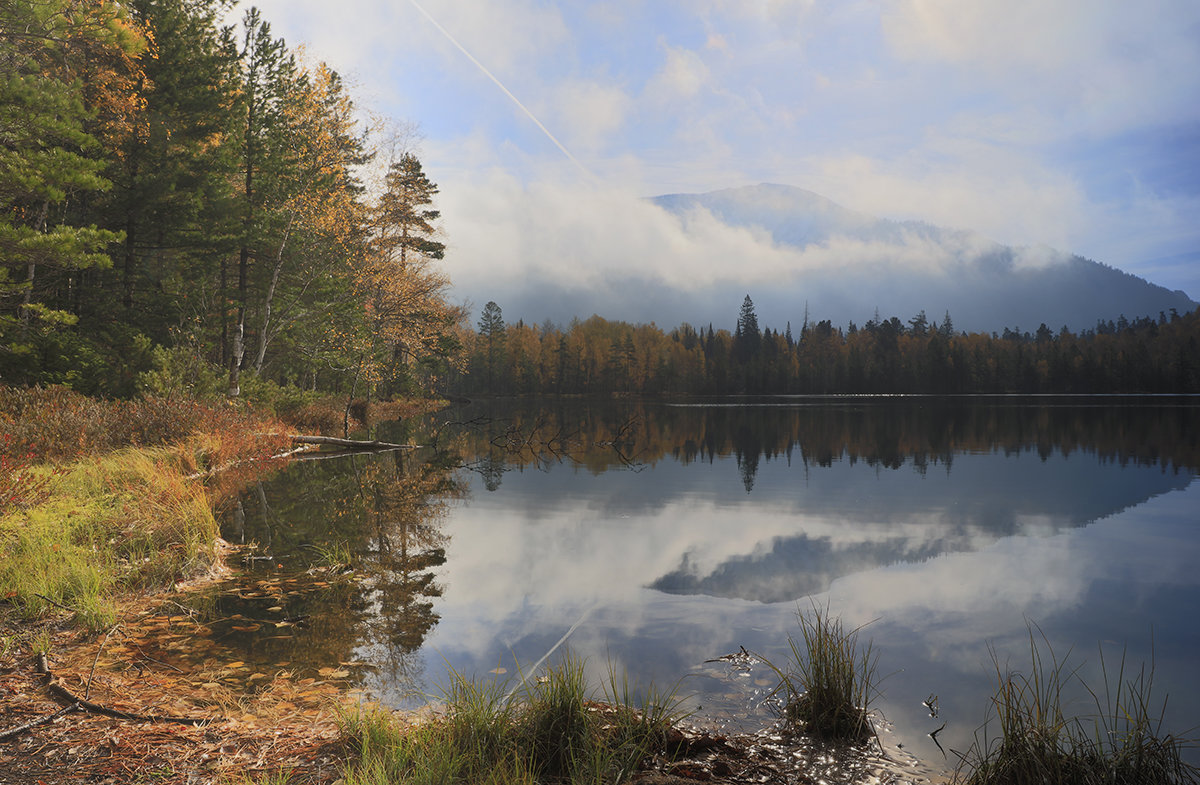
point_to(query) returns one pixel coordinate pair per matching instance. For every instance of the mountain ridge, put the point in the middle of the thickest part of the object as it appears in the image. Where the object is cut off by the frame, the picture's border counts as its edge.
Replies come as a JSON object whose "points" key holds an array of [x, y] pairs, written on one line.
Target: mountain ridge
{"points": [[918, 266]]}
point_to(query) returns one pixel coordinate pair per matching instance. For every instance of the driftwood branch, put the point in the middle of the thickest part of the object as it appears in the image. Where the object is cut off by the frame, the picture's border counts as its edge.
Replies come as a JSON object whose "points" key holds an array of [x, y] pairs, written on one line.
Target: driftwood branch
{"points": [[78, 704], [349, 444]]}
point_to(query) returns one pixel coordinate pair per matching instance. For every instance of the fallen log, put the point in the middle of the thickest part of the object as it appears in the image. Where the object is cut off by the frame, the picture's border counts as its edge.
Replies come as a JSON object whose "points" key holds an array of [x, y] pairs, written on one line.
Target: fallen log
{"points": [[349, 444]]}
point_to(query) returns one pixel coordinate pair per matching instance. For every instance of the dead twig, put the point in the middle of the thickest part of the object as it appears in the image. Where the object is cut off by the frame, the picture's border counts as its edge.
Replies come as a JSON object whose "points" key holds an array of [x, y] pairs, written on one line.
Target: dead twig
{"points": [[18, 730], [53, 602], [43, 668], [87, 693]]}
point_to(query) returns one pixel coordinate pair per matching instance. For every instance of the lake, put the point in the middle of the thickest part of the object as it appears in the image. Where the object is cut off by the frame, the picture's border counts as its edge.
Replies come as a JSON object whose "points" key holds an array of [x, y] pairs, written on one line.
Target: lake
{"points": [[657, 537]]}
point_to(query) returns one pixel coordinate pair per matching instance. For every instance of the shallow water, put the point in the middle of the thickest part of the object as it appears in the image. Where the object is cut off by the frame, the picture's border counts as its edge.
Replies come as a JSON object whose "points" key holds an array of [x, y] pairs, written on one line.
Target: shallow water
{"points": [[657, 538]]}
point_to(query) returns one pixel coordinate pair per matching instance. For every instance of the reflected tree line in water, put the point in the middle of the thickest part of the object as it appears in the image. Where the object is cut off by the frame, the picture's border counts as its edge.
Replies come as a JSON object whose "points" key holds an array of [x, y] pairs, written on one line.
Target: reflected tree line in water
{"points": [[380, 515], [365, 531], [884, 433]]}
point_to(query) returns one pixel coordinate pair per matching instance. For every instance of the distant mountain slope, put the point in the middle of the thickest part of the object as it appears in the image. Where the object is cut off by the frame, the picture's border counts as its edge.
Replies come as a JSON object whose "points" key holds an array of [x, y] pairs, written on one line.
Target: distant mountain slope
{"points": [[864, 263]]}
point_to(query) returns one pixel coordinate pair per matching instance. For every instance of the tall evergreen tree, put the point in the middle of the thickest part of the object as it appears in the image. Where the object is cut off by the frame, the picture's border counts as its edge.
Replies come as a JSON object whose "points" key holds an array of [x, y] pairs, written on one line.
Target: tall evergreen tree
{"points": [[405, 233], [747, 336], [265, 66], [46, 157], [491, 329], [173, 177]]}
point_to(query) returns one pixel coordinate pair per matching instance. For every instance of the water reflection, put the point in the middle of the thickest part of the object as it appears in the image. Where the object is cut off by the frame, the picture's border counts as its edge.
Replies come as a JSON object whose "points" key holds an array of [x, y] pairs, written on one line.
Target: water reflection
{"points": [[659, 537], [343, 566]]}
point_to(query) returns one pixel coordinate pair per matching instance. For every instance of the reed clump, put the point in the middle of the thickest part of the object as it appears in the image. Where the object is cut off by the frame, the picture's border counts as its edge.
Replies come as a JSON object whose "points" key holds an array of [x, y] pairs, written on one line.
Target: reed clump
{"points": [[549, 729], [1119, 741], [830, 679]]}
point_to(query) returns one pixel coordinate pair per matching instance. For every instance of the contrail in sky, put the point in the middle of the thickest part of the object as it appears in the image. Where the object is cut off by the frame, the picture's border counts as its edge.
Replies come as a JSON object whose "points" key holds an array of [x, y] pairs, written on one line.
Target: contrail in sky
{"points": [[499, 84]]}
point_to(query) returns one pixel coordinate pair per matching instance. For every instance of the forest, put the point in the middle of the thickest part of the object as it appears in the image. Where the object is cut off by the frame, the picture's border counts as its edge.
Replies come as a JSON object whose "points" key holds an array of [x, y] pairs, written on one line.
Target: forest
{"points": [[883, 356], [189, 206], [185, 203]]}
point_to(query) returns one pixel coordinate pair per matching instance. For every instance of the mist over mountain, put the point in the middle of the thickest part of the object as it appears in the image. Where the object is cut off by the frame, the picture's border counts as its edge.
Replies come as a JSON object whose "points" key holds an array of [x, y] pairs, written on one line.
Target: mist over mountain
{"points": [[550, 253], [850, 265]]}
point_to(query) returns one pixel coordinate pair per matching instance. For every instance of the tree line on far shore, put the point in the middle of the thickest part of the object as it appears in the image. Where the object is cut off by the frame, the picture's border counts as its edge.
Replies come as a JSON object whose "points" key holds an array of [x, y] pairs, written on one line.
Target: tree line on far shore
{"points": [[188, 206], [596, 356]]}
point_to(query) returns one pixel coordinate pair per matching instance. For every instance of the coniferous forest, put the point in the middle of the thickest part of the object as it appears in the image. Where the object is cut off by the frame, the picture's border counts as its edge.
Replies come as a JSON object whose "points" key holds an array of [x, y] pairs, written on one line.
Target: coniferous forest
{"points": [[193, 206], [188, 203], [917, 356]]}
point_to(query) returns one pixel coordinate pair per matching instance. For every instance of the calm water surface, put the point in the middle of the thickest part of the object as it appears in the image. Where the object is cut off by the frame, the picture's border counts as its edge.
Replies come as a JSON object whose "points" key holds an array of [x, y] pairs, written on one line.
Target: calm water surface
{"points": [[659, 537]]}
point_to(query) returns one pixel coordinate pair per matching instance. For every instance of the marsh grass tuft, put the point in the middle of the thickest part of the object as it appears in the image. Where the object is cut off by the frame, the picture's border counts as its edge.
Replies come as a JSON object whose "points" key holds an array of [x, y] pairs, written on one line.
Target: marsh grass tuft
{"points": [[1035, 740], [830, 680], [546, 729]]}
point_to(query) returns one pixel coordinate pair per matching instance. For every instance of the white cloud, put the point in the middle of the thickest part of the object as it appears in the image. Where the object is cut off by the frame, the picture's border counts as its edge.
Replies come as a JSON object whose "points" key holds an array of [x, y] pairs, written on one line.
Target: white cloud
{"points": [[589, 113], [683, 75], [1095, 67], [961, 184]]}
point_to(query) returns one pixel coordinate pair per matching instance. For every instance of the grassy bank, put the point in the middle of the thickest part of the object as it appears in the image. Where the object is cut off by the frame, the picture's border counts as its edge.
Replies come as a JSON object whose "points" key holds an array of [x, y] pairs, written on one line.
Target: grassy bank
{"points": [[127, 520], [103, 497], [107, 497], [548, 729]]}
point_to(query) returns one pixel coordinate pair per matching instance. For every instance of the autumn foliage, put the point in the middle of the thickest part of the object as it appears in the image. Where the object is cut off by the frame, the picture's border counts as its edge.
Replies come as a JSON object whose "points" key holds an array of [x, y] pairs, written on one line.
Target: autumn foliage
{"points": [[168, 183], [884, 356]]}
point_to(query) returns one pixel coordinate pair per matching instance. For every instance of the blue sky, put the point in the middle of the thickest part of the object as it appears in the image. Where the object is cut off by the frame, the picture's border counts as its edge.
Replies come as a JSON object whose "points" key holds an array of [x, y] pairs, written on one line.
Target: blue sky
{"points": [[1068, 123]]}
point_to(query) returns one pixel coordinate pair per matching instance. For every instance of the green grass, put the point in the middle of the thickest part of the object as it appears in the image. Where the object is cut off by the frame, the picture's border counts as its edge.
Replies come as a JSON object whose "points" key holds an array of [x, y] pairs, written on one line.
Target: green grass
{"points": [[126, 520], [1035, 740], [829, 681], [547, 729]]}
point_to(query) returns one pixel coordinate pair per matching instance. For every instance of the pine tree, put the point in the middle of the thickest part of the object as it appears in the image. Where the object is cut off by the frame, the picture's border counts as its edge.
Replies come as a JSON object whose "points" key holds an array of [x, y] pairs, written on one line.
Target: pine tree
{"points": [[409, 316], [46, 156], [265, 65], [172, 193], [404, 223]]}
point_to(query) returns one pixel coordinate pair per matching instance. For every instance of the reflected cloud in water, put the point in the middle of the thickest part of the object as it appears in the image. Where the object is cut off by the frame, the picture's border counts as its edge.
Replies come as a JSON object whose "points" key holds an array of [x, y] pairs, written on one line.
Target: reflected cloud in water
{"points": [[656, 538]]}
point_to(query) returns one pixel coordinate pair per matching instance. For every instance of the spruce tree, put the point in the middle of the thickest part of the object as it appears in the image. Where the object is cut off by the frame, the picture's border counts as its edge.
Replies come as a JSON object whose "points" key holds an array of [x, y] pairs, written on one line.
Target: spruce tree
{"points": [[748, 338]]}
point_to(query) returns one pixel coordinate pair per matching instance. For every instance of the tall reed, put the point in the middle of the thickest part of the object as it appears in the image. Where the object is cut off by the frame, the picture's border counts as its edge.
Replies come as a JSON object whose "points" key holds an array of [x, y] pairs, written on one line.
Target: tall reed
{"points": [[1035, 740], [829, 681]]}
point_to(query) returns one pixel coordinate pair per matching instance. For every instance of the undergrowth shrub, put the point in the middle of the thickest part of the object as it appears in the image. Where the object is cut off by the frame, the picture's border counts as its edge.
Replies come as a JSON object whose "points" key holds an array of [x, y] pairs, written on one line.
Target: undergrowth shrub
{"points": [[181, 371], [56, 424], [22, 482]]}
